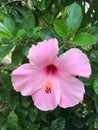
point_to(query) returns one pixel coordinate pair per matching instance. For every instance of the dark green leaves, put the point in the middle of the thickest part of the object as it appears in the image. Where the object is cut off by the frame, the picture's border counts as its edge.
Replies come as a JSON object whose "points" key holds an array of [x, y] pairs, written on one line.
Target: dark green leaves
{"points": [[33, 113], [32, 127], [58, 124], [67, 26], [74, 17], [96, 102], [4, 50], [28, 23], [43, 4], [71, 21], [22, 113], [7, 27], [12, 120], [96, 85], [84, 39], [17, 56], [6, 80], [14, 102], [94, 56], [9, 23], [4, 96], [96, 122]]}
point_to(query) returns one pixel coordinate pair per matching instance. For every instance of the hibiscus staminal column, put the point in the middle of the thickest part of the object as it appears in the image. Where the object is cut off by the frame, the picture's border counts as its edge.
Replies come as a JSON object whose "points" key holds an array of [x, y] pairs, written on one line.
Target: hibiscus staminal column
{"points": [[50, 70]]}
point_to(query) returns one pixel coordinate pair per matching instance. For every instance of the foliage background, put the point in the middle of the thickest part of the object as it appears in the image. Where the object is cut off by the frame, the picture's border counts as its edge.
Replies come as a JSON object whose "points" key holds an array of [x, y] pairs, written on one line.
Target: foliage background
{"points": [[26, 22]]}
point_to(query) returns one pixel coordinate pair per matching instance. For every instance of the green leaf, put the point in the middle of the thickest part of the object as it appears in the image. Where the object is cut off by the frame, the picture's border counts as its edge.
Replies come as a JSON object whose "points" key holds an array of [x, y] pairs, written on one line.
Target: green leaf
{"points": [[86, 81], [4, 126], [6, 80], [47, 34], [4, 35], [14, 102], [94, 56], [23, 12], [4, 50], [22, 113], [32, 127], [36, 30], [17, 55], [96, 102], [96, 85], [12, 120], [58, 124], [84, 39], [45, 128], [33, 113], [4, 31], [3, 28], [6, 41], [95, 68], [9, 23], [61, 27], [4, 96], [20, 33], [91, 127], [93, 31], [44, 4], [28, 23], [96, 122], [74, 17], [25, 102], [25, 50], [1, 115]]}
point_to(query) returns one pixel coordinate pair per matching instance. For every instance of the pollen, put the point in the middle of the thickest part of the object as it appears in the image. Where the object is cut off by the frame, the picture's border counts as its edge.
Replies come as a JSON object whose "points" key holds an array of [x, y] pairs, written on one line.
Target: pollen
{"points": [[48, 86]]}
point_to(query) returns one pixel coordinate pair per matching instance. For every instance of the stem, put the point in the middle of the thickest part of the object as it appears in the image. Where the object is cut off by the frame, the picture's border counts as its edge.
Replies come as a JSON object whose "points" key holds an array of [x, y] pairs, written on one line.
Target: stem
{"points": [[62, 46], [1, 81], [3, 109], [10, 2]]}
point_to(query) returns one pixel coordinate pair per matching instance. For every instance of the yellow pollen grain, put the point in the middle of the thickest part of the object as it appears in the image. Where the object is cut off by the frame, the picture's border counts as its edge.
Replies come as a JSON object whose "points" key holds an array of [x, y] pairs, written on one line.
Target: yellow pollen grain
{"points": [[48, 84]]}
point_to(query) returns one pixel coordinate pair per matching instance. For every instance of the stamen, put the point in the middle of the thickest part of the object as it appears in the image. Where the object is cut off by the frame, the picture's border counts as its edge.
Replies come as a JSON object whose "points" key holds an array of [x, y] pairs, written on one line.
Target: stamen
{"points": [[48, 86]]}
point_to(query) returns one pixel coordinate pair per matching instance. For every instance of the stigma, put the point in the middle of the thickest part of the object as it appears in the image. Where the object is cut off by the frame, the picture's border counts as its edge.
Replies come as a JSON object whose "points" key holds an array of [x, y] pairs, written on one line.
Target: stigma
{"points": [[48, 86]]}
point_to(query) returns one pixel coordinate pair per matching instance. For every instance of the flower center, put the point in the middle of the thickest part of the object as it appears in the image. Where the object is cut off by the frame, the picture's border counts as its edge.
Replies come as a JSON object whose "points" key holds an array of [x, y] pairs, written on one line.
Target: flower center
{"points": [[51, 69], [48, 86]]}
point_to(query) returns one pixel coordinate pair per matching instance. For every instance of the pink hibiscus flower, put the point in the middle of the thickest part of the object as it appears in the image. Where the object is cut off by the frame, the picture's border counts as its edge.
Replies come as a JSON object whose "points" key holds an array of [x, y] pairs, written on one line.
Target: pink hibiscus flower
{"points": [[50, 79]]}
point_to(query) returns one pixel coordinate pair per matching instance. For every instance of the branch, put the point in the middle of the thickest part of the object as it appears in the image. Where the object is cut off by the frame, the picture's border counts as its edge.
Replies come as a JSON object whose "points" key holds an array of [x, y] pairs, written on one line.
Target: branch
{"points": [[3, 108], [10, 2], [30, 5]]}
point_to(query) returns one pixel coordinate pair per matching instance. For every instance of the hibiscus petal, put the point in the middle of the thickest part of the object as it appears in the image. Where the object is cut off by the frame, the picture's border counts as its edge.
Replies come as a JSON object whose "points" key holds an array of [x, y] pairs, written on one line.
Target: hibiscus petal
{"points": [[74, 62], [47, 101], [26, 79], [43, 53], [71, 92]]}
